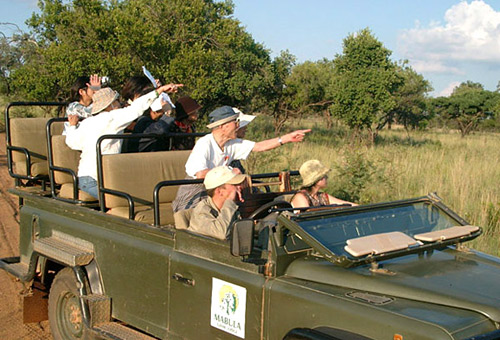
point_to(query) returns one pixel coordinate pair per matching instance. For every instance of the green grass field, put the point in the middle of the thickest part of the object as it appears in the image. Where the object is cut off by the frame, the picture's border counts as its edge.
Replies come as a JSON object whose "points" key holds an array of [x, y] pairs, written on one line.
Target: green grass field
{"points": [[464, 172]]}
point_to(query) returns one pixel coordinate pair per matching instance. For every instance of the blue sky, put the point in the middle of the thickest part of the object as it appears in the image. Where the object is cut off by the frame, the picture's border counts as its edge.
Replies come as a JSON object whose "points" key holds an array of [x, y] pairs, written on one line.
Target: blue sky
{"points": [[447, 41]]}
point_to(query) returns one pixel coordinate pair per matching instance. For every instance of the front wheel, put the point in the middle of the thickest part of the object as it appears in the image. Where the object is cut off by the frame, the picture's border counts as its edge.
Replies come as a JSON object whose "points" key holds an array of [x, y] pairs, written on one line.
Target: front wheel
{"points": [[65, 314]]}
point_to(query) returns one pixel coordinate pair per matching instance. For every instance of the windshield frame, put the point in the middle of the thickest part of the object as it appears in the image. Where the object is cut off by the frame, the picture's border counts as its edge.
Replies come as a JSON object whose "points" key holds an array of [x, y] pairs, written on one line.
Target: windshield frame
{"points": [[291, 222]]}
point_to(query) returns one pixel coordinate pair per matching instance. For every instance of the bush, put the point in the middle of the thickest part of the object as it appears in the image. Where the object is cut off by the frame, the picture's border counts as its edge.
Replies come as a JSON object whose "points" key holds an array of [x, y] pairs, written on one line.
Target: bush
{"points": [[355, 173]]}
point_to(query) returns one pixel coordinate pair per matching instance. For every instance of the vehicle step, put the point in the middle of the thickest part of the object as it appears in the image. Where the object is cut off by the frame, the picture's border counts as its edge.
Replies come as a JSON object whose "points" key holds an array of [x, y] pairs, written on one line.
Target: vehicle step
{"points": [[66, 249], [116, 331], [99, 307], [14, 266]]}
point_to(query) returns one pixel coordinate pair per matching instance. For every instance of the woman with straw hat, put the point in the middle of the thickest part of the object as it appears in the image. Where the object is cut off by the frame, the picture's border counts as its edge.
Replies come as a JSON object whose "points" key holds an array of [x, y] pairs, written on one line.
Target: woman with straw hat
{"points": [[314, 179]]}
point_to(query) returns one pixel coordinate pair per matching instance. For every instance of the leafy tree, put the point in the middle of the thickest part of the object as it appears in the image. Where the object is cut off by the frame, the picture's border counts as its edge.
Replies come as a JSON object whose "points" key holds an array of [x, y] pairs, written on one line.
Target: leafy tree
{"points": [[293, 90], [13, 50], [411, 102], [308, 88], [467, 106], [195, 42], [364, 83], [273, 100]]}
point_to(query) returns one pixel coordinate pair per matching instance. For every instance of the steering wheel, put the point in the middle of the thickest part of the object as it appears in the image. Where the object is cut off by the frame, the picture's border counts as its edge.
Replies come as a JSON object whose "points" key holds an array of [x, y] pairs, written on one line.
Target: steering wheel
{"points": [[264, 209]]}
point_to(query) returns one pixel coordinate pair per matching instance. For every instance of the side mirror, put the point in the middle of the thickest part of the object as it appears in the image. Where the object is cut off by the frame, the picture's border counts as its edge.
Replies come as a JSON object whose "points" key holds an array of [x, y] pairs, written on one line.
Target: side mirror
{"points": [[242, 237]]}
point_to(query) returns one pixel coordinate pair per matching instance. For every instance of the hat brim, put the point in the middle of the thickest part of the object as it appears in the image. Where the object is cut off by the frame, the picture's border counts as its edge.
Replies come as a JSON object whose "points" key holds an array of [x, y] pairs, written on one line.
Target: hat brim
{"points": [[245, 120], [98, 109], [222, 121], [238, 179], [316, 178], [185, 115]]}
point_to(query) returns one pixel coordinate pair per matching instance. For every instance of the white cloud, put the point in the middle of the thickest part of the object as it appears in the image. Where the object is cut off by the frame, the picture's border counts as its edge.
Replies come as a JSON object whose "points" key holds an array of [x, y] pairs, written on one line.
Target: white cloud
{"points": [[448, 89], [434, 66], [470, 32]]}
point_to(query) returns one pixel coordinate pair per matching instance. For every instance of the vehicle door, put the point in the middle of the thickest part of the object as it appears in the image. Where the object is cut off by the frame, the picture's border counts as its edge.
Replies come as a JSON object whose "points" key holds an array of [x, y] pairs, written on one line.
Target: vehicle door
{"points": [[213, 295]]}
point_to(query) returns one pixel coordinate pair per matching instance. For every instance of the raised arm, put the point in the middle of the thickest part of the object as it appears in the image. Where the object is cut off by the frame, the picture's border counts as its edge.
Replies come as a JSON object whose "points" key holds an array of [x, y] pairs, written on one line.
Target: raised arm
{"points": [[292, 137]]}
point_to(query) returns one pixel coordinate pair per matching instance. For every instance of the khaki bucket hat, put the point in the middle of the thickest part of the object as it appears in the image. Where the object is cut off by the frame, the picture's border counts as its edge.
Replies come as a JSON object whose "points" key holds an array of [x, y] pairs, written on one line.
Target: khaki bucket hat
{"points": [[312, 171]]}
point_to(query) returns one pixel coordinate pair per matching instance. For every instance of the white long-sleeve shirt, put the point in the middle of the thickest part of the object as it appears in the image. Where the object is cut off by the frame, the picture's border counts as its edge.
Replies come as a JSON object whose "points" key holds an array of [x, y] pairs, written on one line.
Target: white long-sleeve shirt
{"points": [[85, 137]]}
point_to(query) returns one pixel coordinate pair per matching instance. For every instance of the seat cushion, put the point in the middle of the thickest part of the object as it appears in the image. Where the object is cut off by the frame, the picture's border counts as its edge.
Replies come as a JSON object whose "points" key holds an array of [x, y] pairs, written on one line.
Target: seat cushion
{"points": [[145, 214], [182, 218], [138, 173], [66, 191], [38, 167]]}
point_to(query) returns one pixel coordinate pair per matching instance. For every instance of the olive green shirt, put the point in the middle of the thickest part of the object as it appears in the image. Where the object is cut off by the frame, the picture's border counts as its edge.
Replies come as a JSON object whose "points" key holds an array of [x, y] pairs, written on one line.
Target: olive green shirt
{"points": [[207, 220]]}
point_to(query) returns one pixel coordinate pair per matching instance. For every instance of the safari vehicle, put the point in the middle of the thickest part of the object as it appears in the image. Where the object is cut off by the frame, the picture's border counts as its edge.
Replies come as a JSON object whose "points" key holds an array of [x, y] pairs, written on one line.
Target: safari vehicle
{"points": [[393, 270]]}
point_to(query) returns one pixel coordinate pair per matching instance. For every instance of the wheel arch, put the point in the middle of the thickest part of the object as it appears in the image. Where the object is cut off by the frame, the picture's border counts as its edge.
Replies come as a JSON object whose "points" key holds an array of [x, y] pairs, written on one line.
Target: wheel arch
{"points": [[322, 333], [49, 268]]}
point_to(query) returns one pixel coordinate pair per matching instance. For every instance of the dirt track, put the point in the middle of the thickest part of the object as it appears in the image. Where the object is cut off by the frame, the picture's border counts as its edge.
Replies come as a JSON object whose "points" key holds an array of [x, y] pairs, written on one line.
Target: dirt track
{"points": [[11, 317]]}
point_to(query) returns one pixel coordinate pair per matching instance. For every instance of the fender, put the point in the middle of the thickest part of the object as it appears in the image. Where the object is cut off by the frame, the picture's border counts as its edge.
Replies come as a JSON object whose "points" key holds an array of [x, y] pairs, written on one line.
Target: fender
{"points": [[322, 333]]}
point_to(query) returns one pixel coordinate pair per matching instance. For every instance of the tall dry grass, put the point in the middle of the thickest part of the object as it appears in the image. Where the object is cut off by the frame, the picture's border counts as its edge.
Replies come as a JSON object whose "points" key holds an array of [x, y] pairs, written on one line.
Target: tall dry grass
{"points": [[465, 172]]}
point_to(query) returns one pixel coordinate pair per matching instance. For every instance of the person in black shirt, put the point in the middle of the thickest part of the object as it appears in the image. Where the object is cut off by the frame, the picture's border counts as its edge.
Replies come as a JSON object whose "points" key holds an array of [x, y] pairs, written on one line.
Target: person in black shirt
{"points": [[151, 122], [186, 114]]}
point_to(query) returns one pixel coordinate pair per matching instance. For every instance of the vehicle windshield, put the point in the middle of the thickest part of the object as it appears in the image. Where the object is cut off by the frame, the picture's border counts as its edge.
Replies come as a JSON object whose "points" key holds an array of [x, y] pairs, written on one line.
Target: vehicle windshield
{"points": [[334, 231]]}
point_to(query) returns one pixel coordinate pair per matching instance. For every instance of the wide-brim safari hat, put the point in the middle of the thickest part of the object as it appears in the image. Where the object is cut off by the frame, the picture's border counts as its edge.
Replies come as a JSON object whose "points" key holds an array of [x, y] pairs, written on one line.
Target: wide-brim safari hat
{"points": [[221, 115], [102, 99], [184, 107], [312, 171], [222, 175], [243, 119]]}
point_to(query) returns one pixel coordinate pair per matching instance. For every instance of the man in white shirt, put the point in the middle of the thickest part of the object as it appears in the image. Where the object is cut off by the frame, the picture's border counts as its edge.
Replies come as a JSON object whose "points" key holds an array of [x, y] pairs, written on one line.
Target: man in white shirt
{"points": [[109, 118], [220, 148]]}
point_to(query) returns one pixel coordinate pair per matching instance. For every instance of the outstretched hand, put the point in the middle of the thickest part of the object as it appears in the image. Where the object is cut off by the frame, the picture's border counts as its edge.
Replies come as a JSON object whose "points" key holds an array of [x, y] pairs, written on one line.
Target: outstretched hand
{"points": [[170, 88], [295, 136]]}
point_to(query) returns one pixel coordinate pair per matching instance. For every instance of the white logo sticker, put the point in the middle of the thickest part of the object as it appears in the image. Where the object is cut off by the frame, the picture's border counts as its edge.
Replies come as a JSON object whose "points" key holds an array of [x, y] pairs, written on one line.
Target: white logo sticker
{"points": [[228, 307]]}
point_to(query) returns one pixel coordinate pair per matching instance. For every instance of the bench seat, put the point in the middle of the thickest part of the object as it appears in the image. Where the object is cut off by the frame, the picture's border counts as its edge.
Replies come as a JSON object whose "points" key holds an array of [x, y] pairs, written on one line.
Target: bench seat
{"points": [[30, 134], [137, 174]]}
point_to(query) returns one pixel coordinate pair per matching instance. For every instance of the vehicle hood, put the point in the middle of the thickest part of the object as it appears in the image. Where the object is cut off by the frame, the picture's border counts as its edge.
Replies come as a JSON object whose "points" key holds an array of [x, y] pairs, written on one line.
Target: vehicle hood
{"points": [[452, 278]]}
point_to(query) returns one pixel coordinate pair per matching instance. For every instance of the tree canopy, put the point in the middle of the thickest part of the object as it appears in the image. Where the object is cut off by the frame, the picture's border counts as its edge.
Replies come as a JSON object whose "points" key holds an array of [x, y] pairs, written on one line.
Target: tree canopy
{"points": [[364, 82], [467, 106], [195, 42], [411, 100], [200, 44]]}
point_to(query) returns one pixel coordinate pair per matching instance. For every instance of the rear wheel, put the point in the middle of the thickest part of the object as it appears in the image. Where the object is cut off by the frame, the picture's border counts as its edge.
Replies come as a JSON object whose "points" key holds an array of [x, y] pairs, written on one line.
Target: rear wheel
{"points": [[65, 314]]}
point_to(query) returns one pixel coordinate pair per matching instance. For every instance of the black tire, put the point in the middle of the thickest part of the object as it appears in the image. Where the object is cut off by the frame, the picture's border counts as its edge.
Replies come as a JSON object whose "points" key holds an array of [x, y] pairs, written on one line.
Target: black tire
{"points": [[65, 314]]}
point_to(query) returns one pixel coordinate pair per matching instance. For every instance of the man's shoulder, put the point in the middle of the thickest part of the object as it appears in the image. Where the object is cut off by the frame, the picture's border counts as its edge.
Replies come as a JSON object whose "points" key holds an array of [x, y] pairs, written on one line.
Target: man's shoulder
{"points": [[205, 142], [206, 138], [238, 142], [204, 204]]}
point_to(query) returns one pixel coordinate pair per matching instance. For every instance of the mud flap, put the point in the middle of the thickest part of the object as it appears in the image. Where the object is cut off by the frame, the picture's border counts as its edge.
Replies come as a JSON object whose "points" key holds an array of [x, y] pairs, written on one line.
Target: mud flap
{"points": [[35, 304]]}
